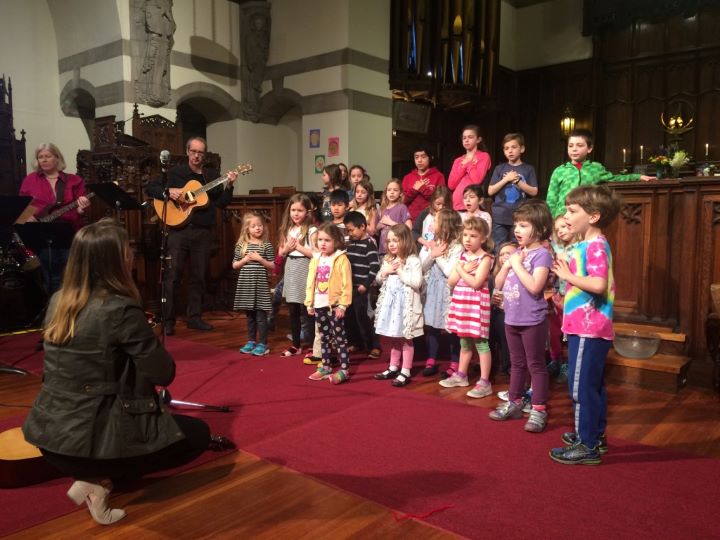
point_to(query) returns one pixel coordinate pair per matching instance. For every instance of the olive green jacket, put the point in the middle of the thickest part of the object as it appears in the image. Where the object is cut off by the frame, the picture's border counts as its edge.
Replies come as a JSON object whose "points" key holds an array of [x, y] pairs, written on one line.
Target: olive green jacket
{"points": [[98, 398]]}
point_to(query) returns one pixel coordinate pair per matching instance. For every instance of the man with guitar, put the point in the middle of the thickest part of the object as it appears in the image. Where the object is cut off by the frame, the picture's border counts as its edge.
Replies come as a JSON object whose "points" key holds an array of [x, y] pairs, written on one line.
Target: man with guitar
{"points": [[191, 237], [56, 195]]}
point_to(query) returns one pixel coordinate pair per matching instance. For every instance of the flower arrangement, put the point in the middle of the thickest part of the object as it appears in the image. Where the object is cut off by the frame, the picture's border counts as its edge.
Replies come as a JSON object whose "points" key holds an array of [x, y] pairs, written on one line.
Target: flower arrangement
{"points": [[670, 158], [661, 160], [679, 158]]}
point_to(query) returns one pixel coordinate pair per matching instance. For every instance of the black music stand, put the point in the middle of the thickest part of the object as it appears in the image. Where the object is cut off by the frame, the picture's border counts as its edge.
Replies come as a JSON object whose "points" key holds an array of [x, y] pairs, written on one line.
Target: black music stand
{"points": [[11, 208], [38, 236], [114, 196]]}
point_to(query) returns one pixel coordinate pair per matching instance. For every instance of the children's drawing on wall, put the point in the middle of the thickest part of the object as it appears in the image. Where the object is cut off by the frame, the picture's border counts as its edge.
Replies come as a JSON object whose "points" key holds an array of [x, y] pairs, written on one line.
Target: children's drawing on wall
{"points": [[314, 138], [333, 146], [319, 163]]}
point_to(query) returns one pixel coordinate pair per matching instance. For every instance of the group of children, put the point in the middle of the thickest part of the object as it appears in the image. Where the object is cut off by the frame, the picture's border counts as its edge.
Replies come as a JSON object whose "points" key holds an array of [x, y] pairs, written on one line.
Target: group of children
{"points": [[434, 271]]}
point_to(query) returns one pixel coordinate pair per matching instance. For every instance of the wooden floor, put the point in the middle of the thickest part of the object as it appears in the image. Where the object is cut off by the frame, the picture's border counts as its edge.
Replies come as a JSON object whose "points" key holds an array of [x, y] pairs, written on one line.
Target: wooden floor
{"points": [[242, 496]]}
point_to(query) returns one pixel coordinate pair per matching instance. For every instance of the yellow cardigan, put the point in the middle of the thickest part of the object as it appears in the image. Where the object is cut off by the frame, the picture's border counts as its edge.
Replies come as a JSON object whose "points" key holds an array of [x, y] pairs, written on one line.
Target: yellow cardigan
{"points": [[339, 283]]}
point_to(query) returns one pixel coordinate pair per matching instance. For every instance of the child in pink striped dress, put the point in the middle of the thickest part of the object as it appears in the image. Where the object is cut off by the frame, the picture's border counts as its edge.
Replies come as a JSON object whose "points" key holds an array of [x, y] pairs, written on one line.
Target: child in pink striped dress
{"points": [[469, 311]]}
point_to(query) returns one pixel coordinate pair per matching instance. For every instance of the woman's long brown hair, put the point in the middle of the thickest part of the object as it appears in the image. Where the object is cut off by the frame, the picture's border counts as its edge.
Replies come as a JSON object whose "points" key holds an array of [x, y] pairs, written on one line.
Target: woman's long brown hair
{"points": [[99, 264]]}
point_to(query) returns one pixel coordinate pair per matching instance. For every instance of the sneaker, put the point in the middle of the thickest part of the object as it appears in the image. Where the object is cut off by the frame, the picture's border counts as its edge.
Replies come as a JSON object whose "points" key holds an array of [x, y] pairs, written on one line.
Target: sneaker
{"points": [[320, 374], [311, 360], [553, 368], [248, 348], [563, 375], [260, 350], [455, 380], [480, 391], [430, 370], [537, 421], [503, 394], [576, 454], [505, 411], [339, 377], [526, 404], [291, 351], [571, 438]]}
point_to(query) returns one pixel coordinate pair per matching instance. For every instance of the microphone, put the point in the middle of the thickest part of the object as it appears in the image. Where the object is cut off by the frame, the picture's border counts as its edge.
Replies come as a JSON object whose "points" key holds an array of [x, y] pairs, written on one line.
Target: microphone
{"points": [[165, 157]]}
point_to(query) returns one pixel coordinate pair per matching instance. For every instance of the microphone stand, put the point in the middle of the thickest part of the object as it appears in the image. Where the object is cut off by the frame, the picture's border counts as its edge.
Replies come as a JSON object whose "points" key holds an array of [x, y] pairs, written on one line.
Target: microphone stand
{"points": [[165, 262]]}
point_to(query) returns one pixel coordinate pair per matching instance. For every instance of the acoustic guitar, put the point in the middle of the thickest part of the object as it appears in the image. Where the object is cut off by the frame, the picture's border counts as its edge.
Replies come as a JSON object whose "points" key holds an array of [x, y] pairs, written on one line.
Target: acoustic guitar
{"points": [[194, 195], [22, 464]]}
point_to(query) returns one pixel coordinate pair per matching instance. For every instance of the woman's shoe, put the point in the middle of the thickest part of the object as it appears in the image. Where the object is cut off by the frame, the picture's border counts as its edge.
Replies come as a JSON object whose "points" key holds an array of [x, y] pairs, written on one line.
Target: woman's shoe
{"points": [[96, 495]]}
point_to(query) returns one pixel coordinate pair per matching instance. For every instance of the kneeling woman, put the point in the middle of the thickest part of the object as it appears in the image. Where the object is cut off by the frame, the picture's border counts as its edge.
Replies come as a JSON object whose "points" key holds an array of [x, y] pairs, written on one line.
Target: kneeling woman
{"points": [[98, 416]]}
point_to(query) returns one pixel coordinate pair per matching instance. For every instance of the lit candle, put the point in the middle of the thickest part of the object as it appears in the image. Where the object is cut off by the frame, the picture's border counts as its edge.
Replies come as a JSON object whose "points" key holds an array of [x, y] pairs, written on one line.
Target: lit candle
{"points": [[641, 153], [624, 156], [707, 150]]}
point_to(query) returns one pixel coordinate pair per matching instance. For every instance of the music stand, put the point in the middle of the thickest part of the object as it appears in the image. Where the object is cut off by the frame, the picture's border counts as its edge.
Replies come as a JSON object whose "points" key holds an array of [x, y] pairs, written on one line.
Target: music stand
{"points": [[38, 236], [11, 208], [114, 196]]}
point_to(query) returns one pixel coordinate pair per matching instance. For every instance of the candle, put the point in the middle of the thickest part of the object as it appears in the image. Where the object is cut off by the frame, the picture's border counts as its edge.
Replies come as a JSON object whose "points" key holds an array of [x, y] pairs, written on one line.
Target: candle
{"points": [[624, 156], [641, 153], [707, 148]]}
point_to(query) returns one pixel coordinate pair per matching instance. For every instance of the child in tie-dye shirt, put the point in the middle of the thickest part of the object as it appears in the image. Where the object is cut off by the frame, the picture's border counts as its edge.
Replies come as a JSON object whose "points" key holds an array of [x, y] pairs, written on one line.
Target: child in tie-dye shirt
{"points": [[587, 320]]}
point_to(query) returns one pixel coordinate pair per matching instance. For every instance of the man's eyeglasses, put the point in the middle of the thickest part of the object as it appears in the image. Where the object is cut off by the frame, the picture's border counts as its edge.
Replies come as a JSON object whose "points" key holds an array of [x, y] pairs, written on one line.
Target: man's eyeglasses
{"points": [[198, 152]]}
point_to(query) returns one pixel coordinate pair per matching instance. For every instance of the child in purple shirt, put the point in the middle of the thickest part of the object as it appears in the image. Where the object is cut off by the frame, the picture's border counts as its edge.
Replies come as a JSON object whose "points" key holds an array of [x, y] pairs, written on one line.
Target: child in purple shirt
{"points": [[522, 279], [392, 212], [587, 320]]}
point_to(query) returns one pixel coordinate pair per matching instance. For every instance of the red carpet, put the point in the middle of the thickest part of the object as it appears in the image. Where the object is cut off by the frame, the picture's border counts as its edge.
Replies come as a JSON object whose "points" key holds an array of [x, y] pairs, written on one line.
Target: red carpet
{"points": [[417, 453]]}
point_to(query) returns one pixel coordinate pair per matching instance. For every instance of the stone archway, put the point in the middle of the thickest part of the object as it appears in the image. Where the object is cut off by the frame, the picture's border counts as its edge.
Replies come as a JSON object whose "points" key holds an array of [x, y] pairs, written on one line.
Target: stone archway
{"points": [[276, 103], [77, 100], [212, 102]]}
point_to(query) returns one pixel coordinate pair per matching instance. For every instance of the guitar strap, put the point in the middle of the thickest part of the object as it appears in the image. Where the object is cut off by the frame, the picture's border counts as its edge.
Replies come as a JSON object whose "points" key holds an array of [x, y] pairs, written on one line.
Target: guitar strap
{"points": [[59, 190]]}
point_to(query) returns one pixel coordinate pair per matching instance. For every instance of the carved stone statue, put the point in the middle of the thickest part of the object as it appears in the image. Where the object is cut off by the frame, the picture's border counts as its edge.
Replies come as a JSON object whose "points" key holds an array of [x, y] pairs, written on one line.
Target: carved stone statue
{"points": [[152, 83], [255, 46]]}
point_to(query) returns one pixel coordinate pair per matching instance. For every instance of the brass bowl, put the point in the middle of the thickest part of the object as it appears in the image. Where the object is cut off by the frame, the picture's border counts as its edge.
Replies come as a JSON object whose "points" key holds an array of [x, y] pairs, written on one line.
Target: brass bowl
{"points": [[637, 345]]}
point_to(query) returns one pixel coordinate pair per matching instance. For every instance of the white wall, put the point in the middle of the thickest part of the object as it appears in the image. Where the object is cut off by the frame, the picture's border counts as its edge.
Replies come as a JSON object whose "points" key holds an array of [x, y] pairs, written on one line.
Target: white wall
{"points": [[307, 28], [209, 28], [542, 35], [34, 73], [272, 151], [330, 124]]}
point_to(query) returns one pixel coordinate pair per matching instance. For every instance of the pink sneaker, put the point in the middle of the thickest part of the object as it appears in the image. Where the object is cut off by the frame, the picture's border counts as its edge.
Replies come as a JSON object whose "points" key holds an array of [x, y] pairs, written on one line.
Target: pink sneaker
{"points": [[339, 377], [320, 374]]}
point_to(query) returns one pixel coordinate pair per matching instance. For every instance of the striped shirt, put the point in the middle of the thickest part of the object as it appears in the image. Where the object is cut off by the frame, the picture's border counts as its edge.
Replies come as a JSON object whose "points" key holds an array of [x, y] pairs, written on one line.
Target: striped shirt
{"points": [[364, 261], [469, 311]]}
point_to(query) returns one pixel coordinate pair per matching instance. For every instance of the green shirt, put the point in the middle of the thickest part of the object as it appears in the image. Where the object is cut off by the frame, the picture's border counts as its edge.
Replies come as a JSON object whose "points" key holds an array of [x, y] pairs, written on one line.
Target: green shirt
{"points": [[567, 177]]}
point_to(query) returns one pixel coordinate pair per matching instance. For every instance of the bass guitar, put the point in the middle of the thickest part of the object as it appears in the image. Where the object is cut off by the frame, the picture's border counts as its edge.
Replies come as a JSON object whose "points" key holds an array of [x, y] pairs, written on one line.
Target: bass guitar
{"points": [[194, 195], [52, 216]]}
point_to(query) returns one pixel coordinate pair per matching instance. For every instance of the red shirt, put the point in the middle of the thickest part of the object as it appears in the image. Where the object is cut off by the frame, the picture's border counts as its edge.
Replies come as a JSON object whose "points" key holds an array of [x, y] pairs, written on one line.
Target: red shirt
{"points": [[418, 200], [37, 186]]}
